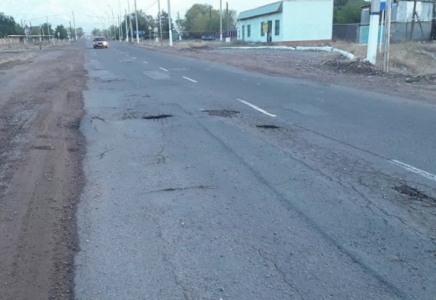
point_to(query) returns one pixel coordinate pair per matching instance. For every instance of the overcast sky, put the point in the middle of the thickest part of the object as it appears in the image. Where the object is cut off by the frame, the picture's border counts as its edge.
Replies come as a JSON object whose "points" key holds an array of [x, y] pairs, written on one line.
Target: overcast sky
{"points": [[59, 11]]}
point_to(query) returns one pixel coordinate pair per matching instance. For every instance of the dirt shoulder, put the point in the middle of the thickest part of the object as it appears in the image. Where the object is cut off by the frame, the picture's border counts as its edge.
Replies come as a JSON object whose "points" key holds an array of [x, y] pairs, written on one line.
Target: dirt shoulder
{"points": [[321, 67], [41, 151]]}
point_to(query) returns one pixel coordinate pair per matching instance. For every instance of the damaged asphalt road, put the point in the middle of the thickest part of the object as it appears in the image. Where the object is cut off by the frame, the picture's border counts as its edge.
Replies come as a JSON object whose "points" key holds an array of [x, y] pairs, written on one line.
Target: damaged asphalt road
{"points": [[208, 182]]}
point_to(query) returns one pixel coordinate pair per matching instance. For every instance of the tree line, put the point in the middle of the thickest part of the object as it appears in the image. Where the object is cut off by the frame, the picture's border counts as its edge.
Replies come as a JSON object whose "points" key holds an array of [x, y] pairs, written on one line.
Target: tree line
{"points": [[347, 11], [199, 20], [8, 26]]}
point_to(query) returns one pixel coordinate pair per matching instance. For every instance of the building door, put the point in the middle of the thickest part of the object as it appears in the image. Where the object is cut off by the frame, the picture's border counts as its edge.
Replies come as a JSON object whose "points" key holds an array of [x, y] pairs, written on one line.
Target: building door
{"points": [[269, 37], [243, 32]]}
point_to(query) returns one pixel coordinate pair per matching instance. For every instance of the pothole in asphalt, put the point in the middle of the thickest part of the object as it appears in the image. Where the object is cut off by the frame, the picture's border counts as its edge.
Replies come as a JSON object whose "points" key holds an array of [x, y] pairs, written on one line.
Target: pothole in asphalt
{"points": [[268, 126], [222, 113], [157, 117], [42, 148], [414, 194]]}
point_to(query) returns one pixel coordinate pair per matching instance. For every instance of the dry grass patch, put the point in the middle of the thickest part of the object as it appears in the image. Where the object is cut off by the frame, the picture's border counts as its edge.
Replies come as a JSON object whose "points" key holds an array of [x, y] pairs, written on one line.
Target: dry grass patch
{"points": [[14, 57], [357, 49], [414, 58]]}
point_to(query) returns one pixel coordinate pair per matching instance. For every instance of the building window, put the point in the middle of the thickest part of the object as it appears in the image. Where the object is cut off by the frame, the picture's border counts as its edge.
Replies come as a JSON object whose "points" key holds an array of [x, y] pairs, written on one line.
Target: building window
{"points": [[277, 27], [261, 29], [248, 30]]}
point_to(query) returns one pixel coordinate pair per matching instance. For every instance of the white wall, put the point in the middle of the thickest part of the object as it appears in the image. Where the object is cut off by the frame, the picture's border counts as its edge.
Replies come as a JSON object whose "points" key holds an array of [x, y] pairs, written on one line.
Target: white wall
{"points": [[301, 20], [255, 28], [307, 20]]}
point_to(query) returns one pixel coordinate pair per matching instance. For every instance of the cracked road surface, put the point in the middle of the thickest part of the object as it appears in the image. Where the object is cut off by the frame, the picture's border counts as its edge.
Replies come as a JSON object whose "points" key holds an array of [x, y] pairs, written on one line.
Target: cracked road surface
{"points": [[208, 182]]}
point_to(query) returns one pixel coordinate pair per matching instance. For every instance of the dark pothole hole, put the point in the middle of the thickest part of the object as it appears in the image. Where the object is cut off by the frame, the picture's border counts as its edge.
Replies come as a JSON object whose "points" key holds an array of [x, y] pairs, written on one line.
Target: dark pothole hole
{"points": [[268, 126], [413, 193], [157, 117]]}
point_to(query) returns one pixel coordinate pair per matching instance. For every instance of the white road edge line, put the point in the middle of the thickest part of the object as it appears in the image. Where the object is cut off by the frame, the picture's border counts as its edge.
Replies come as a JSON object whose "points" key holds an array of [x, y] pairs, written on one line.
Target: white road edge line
{"points": [[134, 57], [164, 69], [192, 80], [414, 170], [145, 62], [256, 108]]}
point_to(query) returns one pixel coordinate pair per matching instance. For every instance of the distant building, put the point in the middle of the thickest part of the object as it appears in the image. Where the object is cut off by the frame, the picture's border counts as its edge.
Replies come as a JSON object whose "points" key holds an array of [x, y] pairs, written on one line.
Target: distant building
{"points": [[288, 22]]}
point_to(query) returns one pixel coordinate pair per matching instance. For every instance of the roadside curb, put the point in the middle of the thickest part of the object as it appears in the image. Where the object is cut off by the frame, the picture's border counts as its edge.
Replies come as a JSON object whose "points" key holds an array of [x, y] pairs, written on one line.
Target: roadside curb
{"points": [[346, 54]]}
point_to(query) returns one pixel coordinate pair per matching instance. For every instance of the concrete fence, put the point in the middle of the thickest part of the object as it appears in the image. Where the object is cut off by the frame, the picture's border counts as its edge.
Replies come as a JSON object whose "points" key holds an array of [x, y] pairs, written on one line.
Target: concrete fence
{"points": [[9, 41], [346, 32], [400, 32]]}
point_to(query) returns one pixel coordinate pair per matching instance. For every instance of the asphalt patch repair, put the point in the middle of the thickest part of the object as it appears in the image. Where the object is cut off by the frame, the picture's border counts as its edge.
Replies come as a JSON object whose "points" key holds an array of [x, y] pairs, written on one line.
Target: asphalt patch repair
{"points": [[222, 113]]}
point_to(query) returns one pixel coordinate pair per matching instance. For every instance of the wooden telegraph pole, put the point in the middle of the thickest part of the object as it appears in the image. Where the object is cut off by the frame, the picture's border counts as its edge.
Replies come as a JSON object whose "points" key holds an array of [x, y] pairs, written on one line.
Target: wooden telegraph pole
{"points": [[387, 35]]}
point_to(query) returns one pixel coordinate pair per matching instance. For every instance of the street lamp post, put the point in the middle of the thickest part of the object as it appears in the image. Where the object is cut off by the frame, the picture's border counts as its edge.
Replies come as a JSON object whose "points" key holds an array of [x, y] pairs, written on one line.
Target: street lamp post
{"points": [[170, 23], [127, 30], [119, 19], [109, 22], [113, 19], [137, 30]]}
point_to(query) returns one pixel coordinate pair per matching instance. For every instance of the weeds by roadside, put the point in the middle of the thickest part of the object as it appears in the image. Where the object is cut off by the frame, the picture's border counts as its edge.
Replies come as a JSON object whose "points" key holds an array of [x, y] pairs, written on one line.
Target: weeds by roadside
{"points": [[7, 58], [409, 58]]}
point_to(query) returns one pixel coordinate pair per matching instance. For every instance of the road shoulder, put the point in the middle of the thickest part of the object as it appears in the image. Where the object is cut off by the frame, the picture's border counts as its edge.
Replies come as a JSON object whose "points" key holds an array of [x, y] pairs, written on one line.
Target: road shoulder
{"points": [[41, 179]]}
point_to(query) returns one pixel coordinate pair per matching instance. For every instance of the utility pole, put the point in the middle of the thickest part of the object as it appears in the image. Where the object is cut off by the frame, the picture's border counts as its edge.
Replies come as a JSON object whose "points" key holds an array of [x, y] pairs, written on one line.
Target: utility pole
{"points": [[120, 29], [433, 23], [383, 31], [228, 21], [113, 19], [119, 20], [371, 54], [210, 19], [160, 23], [46, 22], [227, 14], [74, 23], [108, 19], [127, 30], [130, 21], [413, 19], [40, 38], [387, 35], [170, 23], [136, 17], [221, 20], [71, 34]]}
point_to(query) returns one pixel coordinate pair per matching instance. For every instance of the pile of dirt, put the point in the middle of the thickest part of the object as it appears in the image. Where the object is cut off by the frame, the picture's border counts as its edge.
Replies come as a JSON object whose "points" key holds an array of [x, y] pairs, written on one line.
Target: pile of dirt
{"points": [[343, 65]]}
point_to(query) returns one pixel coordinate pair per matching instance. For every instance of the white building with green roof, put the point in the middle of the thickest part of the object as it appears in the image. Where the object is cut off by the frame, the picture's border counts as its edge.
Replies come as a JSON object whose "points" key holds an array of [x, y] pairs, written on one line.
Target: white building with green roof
{"points": [[288, 22]]}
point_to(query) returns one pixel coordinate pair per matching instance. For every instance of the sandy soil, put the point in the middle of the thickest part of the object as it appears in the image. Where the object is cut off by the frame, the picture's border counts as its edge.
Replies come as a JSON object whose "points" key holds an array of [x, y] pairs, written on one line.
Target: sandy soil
{"points": [[41, 152], [322, 67]]}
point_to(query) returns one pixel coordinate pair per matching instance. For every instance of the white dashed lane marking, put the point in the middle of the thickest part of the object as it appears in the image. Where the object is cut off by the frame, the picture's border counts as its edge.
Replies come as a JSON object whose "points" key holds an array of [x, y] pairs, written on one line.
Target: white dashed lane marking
{"points": [[414, 170], [256, 108], [192, 80]]}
